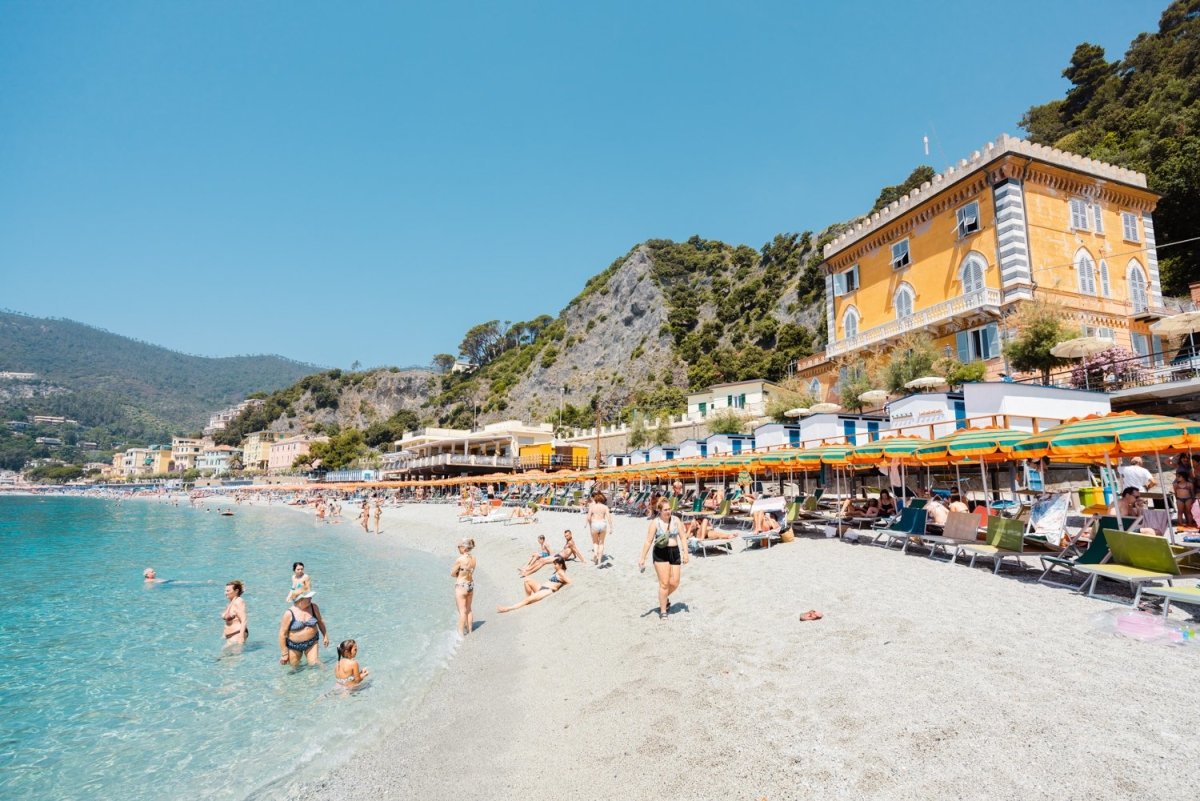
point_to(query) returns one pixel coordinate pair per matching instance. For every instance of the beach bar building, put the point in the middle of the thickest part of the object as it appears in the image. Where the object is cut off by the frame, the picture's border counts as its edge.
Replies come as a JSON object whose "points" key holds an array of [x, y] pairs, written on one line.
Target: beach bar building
{"points": [[495, 447]]}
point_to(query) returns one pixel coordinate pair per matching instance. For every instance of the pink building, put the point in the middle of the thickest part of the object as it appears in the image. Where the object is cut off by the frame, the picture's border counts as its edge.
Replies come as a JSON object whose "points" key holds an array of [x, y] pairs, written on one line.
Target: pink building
{"points": [[285, 451]]}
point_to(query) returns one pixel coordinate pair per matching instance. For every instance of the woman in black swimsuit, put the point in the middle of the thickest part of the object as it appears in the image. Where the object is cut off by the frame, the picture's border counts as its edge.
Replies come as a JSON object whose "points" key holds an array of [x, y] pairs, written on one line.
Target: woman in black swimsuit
{"points": [[665, 533]]}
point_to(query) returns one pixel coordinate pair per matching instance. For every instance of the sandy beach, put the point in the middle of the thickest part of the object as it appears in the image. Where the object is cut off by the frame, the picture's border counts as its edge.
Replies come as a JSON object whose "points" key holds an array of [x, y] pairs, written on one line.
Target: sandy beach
{"points": [[923, 681]]}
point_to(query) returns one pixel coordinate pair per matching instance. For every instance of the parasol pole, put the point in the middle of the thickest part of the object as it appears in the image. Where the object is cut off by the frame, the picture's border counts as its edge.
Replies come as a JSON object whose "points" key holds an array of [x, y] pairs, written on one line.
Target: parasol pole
{"points": [[987, 501]]}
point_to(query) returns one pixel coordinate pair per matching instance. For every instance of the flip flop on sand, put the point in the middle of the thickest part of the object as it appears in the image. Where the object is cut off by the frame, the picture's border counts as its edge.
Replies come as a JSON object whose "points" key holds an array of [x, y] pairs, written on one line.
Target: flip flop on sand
{"points": [[811, 614]]}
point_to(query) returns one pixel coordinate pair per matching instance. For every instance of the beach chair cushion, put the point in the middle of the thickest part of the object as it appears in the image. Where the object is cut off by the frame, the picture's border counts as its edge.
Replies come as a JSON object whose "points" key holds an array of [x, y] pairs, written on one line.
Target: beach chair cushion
{"points": [[1005, 535], [1142, 551], [1187, 595], [962, 526]]}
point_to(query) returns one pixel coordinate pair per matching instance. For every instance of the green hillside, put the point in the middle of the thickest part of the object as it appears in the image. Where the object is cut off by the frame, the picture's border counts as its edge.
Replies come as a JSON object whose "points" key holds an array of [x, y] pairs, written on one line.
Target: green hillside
{"points": [[130, 387], [1141, 112]]}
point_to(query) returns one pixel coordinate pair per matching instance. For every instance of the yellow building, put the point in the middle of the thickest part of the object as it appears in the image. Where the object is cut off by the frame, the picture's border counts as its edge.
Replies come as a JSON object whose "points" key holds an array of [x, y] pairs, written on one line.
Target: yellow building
{"points": [[956, 256], [256, 449], [547, 456], [158, 460]]}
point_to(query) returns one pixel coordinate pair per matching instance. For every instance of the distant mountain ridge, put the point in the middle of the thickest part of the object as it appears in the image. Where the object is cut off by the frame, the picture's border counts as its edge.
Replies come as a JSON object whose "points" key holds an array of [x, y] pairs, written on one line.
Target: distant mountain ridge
{"points": [[105, 379]]}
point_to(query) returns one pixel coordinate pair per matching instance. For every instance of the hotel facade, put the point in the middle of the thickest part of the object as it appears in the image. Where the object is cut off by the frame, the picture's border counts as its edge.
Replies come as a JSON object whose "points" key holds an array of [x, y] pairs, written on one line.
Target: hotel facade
{"points": [[957, 256]]}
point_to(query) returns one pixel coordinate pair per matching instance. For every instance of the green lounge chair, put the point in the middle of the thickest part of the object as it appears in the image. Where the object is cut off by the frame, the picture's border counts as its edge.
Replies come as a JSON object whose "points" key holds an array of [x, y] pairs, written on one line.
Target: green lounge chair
{"points": [[910, 523], [1136, 560], [1005, 540]]}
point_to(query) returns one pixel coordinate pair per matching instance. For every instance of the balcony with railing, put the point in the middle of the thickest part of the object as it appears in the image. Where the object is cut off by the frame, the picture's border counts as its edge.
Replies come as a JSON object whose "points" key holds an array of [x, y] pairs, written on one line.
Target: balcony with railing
{"points": [[986, 299], [400, 464]]}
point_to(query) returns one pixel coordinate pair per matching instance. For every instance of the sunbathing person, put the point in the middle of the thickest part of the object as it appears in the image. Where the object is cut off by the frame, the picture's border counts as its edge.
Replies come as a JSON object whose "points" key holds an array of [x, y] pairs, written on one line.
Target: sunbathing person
{"points": [[536, 591], [712, 502], [936, 511], [957, 505], [569, 551], [543, 552], [703, 530], [766, 523]]}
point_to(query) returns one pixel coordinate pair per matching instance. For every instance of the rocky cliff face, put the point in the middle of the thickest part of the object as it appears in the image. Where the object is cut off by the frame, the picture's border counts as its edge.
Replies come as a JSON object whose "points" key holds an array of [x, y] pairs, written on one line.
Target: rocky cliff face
{"points": [[615, 342], [379, 395]]}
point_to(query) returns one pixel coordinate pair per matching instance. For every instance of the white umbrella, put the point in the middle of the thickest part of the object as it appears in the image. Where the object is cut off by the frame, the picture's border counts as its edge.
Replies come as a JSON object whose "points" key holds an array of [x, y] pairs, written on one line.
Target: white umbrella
{"points": [[799, 411], [1177, 324], [1081, 348], [824, 408], [926, 382], [873, 396]]}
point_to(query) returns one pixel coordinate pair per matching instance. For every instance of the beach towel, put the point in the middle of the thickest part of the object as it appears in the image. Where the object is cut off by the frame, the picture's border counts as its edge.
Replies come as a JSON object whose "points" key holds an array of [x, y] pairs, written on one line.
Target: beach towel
{"points": [[1048, 518]]}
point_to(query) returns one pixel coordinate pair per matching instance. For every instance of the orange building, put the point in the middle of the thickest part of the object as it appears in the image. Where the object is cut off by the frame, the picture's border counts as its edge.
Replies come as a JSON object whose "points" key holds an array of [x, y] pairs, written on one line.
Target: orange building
{"points": [[956, 256]]}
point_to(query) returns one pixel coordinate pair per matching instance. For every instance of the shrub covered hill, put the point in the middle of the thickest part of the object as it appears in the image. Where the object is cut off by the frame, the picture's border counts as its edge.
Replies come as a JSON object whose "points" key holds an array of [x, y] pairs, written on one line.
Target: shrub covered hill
{"points": [[662, 319], [121, 388]]}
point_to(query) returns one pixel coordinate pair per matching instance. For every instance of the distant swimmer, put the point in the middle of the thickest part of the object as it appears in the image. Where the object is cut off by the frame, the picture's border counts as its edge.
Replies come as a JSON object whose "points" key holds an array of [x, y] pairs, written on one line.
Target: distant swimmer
{"points": [[536, 591], [152, 577], [237, 629], [463, 573], [298, 632], [301, 583], [347, 672]]}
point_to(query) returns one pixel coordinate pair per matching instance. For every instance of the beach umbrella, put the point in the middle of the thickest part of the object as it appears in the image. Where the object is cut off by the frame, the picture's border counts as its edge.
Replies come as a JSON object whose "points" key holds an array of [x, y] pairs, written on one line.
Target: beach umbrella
{"points": [[926, 382], [1112, 436], [824, 408], [901, 447], [1177, 324], [873, 396], [799, 411], [970, 444], [1081, 348]]}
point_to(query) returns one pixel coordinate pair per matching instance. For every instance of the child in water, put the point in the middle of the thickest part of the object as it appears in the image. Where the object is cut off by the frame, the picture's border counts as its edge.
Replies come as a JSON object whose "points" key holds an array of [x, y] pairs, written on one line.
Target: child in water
{"points": [[346, 672]]}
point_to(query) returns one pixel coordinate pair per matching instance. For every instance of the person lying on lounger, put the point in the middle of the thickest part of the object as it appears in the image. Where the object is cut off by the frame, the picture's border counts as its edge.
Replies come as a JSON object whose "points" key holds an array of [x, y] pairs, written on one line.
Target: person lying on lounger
{"points": [[536, 591], [702, 529]]}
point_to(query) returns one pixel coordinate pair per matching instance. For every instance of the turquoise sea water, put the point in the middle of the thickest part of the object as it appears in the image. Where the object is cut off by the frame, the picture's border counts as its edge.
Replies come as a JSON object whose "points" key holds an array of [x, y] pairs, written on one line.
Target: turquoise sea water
{"points": [[113, 689]]}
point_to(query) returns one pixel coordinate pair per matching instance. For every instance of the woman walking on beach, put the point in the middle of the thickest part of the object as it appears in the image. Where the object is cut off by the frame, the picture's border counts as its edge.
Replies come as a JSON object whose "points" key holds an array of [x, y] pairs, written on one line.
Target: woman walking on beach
{"points": [[298, 632], [536, 591], [237, 629], [364, 516], [463, 573], [666, 535], [378, 513], [599, 522]]}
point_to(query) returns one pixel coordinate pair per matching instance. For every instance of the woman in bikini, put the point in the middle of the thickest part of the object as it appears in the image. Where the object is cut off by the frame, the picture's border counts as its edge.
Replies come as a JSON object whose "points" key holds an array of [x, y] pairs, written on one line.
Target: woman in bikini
{"points": [[300, 632], [670, 547], [237, 630], [536, 591], [463, 573], [378, 513], [600, 523], [1184, 489], [301, 583], [347, 672]]}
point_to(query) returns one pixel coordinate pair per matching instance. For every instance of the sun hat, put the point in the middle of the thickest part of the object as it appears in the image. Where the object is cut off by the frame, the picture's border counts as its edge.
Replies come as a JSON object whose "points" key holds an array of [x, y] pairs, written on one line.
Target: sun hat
{"points": [[308, 594]]}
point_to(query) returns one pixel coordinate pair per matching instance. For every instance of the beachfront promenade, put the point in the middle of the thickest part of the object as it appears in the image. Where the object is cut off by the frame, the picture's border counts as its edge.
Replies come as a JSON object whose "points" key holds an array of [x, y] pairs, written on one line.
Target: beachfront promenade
{"points": [[923, 681]]}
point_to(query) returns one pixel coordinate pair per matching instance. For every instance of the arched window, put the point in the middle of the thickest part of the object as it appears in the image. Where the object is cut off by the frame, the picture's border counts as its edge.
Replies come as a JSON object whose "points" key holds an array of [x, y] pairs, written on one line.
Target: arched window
{"points": [[1138, 296], [971, 273], [850, 323], [814, 389], [1086, 269], [902, 301]]}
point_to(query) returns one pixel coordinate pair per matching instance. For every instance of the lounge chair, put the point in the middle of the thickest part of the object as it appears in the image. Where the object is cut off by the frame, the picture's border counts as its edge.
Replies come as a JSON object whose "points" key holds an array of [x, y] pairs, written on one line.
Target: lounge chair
{"points": [[1136, 560], [962, 528], [910, 523], [1096, 552], [770, 506], [1005, 540], [1183, 595], [1047, 526], [704, 546]]}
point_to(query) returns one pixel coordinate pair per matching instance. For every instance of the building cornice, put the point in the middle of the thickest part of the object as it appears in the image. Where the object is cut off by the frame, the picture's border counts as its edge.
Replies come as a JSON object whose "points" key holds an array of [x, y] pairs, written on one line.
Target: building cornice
{"points": [[973, 170]]}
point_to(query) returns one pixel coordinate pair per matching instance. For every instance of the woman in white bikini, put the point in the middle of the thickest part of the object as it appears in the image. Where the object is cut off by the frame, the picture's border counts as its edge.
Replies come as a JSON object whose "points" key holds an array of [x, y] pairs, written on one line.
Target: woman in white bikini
{"points": [[463, 573], [600, 522], [237, 630]]}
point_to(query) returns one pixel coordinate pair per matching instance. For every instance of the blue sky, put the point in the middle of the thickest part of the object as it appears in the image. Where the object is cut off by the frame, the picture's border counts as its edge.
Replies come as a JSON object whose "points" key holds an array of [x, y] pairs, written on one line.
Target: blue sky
{"points": [[363, 182]]}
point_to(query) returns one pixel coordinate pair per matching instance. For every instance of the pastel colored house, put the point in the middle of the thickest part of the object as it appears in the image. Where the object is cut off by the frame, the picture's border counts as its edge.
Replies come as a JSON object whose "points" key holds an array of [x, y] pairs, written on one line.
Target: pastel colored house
{"points": [[954, 258], [256, 449], [284, 452]]}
